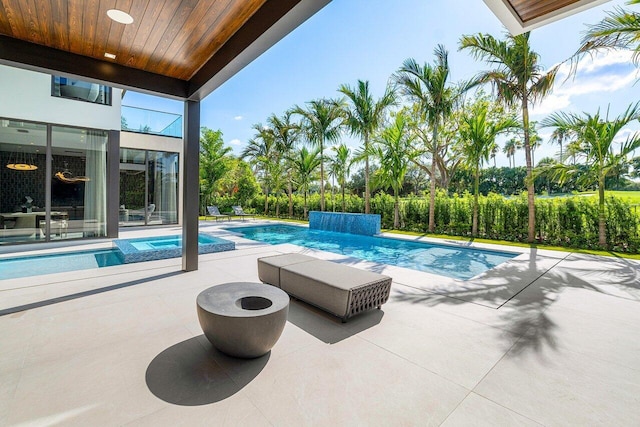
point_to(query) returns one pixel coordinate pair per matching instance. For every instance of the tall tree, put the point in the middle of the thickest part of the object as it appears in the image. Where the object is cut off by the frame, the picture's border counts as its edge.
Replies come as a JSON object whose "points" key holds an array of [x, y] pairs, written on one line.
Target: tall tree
{"points": [[478, 132], [596, 136], [428, 85], [391, 148], [364, 116], [340, 168], [214, 163], [559, 136], [321, 123], [305, 163], [510, 148], [286, 135], [519, 80], [261, 152]]}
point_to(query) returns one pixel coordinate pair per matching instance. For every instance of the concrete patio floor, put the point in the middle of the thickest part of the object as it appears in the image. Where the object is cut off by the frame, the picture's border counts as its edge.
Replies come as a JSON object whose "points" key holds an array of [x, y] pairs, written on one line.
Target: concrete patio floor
{"points": [[549, 338]]}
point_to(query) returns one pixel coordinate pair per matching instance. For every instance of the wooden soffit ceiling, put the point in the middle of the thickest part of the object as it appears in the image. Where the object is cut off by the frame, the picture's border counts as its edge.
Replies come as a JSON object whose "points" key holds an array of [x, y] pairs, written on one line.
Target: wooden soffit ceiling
{"points": [[520, 16], [179, 44]]}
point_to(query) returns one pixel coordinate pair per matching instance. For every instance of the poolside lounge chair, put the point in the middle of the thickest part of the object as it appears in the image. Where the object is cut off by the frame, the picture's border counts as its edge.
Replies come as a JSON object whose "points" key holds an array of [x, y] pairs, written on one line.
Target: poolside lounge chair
{"points": [[237, 211], [342, 290], [215, 212]]}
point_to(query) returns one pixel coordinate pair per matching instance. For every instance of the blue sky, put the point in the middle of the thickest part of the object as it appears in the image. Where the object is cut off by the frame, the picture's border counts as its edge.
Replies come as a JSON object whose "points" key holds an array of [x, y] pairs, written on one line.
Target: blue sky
{"points": [[369, 39]]}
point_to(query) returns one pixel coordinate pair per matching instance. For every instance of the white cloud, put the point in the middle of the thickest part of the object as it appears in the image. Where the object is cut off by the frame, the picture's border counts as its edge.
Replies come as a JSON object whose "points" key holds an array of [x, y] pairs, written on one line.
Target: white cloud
{"points": [[592, 77], [238, 118], [235, 142]]}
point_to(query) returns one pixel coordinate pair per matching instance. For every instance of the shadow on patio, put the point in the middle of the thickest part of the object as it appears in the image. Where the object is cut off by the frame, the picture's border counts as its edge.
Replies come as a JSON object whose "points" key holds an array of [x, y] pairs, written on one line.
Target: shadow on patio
{"points": [[524, 313], [188, 373]]}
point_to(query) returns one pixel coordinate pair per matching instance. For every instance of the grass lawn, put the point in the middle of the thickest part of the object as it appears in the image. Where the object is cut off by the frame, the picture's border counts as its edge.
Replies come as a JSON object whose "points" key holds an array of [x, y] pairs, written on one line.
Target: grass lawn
{"points": [[518, 244], [632, 197]]}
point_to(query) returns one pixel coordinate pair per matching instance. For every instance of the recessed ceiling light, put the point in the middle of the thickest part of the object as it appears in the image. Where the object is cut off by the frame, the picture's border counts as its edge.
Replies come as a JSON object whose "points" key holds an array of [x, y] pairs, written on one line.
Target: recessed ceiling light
{"points": [[109, 55], [119, 16]]}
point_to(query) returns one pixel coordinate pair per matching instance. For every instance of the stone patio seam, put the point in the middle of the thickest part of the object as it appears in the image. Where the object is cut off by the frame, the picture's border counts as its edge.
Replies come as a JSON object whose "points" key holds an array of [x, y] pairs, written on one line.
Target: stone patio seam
{"points": [[415, 364], [534, 280]]}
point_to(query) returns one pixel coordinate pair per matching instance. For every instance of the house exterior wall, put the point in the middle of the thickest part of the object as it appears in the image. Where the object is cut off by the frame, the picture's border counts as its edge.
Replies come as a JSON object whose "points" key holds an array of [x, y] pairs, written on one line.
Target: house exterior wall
{"points": [[27, 95]]}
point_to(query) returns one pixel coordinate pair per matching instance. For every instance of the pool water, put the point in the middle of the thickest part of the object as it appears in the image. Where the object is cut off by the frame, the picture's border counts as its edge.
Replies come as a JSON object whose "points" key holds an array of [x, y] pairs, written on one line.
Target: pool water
{"points": [[125, 251], [451, 261], [35, 265], [170, 242]]}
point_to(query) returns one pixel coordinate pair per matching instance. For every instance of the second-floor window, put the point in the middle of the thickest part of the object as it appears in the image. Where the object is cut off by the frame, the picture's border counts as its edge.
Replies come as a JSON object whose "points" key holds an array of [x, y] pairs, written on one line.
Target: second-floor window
{"points": [[83, 91]]}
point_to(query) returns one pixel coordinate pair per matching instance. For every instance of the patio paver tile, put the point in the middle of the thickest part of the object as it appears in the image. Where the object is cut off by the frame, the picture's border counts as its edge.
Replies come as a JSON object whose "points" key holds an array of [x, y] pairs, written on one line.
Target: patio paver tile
{"points": [[480, 412], [351, 382], [460, 350], [563, 387]]}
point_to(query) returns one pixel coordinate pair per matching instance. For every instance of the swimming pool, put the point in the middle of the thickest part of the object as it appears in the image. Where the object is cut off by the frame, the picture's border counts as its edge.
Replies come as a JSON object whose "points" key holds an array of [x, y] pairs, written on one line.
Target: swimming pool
{"points": [[451, 261], [125, 251], [35, 265]]}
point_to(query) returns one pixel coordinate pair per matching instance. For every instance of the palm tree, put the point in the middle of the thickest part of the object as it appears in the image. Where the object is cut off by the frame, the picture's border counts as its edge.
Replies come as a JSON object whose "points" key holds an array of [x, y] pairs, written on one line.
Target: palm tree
{"points": [[597, 136], [428, 86], [304, 164], [286, 136], [494, 151], [510, 148], [559, 136], [478, 134], [321, 122], [391, 149], [340, 167], [519, 79], [363, 118], [534, 140], [262, 154], [619, 30], [214, 162]]}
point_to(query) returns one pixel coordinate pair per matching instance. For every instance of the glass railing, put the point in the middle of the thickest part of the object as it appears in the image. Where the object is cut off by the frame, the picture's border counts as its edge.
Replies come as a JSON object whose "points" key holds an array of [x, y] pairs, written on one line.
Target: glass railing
{"points": [[134, 119]]}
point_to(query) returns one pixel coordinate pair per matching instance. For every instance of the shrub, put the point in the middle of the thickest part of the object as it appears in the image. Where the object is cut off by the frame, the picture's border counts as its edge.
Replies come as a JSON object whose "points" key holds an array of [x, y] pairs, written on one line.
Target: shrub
{"points": [[564, 221]]}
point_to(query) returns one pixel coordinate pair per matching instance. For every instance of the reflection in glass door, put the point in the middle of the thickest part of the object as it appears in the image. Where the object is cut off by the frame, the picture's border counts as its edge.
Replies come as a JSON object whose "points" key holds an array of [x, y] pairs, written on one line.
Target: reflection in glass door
{"points": [[148, 187], [133, 187], [23, 177], [79, 183]]}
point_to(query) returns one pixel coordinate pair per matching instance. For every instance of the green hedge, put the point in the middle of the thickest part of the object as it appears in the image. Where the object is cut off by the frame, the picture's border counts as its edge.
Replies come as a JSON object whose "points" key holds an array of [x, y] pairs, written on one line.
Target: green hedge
{"points": [[563, 221]]}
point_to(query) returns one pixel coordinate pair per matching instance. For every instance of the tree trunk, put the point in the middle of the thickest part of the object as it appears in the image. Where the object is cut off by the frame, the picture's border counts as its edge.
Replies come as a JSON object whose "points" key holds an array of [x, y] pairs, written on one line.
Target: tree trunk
{"points": [[333, 201], [432, 188], [367, 195], [322, 176], [531, 192], [476, 188], [290, 191], [602, 230], [305, 205], [277, 207], [396, 210], [343, 204], [266, 201]]}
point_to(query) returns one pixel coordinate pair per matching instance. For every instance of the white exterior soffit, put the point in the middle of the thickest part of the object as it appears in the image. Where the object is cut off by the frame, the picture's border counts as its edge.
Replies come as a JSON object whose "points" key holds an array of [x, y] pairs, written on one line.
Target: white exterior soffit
{"points": [[510, 19]]}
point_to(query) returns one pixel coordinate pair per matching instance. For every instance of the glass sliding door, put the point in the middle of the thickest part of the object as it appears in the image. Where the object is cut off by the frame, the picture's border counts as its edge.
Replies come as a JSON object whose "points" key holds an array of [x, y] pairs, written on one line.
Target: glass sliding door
{"points": [[133, 184], [22, 175], [79, 183], [148, 187], [163, 187]]}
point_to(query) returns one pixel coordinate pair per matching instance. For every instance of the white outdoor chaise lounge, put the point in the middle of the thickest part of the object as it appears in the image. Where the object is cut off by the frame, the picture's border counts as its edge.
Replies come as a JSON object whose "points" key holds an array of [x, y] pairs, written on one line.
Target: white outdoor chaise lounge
{"points": [[339, 289]]}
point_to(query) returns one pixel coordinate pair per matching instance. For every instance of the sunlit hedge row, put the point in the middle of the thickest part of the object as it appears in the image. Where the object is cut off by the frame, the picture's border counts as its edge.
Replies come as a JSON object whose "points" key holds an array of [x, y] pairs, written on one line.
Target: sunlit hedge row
{"points": [[564, 221]]}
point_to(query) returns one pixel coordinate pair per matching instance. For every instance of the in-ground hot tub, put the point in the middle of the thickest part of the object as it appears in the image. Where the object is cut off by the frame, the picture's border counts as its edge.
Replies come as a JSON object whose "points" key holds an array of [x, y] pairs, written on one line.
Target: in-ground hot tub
{"points": [[163, 247]]}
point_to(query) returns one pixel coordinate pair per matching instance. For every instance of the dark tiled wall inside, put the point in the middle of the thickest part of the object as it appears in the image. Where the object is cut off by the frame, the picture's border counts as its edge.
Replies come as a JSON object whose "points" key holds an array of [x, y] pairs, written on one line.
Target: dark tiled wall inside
{"points": [[15, 185]]}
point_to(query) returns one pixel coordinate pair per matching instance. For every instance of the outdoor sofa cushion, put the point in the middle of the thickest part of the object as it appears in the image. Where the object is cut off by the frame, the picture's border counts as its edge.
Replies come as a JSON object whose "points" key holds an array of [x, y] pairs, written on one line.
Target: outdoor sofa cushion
{"points": [[341, 290]]}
